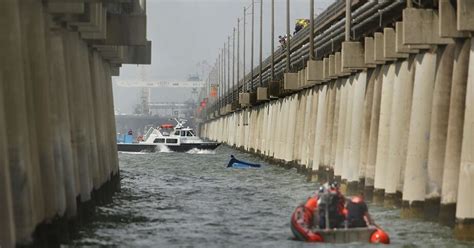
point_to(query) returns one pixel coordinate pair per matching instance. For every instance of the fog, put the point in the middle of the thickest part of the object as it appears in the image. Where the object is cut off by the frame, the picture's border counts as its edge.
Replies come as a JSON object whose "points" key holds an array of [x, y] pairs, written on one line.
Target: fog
{"points": [[188, 34]]}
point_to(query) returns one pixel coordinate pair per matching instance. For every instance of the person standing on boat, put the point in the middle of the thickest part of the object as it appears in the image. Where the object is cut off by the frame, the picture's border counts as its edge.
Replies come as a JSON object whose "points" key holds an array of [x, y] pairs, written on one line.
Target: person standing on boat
{"points": [[331, 210], [358, 212]]}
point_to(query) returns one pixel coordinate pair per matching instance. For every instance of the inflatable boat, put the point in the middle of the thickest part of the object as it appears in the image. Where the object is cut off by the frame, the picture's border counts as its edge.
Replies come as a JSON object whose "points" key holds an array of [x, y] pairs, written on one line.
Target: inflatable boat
{"points": [[235, 163], [304, 230]]}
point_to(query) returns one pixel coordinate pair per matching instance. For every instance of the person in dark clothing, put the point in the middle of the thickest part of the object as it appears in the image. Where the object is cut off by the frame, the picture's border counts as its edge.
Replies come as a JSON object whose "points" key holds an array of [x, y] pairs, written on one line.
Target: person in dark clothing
{"points": [[332, 204], [358, 212]]}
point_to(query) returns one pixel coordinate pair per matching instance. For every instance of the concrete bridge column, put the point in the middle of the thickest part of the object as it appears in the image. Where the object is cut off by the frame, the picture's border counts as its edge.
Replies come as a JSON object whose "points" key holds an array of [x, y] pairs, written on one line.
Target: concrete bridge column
{"points": [[331, 104], [418, 139], [95, 169], [401, 105], [57, 72], [452, 158], [111, 123], [335, 124], [305, 132], [347, 132], [292, 110], [16, 122], [320, 128], [37, 89], [366, 117], [7, 226], [312, 126], [438, 132], [373, 134], [360, 84], [299, 128], [383, 140], [465, 207], [78, 114], [343, 88]]}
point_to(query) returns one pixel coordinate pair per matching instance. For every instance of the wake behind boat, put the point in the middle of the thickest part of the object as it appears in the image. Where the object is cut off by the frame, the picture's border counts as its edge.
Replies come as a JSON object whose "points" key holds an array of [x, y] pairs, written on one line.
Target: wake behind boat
{"points": [[175, 138]]}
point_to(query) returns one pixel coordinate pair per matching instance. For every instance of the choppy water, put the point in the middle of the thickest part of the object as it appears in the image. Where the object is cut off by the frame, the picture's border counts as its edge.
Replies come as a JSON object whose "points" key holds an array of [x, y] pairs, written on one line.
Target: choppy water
{"points": [[192, 200]]}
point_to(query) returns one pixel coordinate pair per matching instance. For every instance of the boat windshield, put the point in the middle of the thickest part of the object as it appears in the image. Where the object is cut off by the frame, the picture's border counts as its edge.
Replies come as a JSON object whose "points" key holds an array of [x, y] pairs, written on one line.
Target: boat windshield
{"points": [[147, 135]]}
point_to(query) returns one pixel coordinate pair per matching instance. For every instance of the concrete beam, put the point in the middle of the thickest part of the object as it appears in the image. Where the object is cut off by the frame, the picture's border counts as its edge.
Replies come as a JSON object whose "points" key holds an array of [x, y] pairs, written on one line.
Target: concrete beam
{"points": [[352, 56], [332, 66], [389, 44], [314, 72], [326, 75], [290, 81], [421, 27], [448, 20], [369, 55], [465, 16], [125, 30], [262, 94], [399, 46], [379, 48]]}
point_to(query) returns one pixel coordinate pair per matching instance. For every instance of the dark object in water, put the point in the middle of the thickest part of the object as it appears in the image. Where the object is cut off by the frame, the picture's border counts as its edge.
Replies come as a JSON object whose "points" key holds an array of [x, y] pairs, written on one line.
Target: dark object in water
{"points": [[235, 163]]}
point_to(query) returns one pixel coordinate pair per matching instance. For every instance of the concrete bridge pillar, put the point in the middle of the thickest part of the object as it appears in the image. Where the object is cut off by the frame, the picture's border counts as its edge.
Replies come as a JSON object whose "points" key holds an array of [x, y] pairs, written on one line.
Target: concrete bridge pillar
{"points": [[335, 124], [465, 207], [400, 120], [418, 139], [373, 134], [37, 90], [7, 226], [338, 169], [360, 84], [331, 104], [350, 84], [78, 114], [320, 129], [57, 72], [452, 158], [383, 140], [16, 122], [305, 132], [438, 132], [312, 126], [365, 135]]}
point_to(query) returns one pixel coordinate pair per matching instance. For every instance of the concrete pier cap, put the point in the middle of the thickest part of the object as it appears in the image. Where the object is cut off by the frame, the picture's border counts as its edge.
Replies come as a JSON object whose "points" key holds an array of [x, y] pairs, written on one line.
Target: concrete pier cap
{"points": [[314, 71], [352, 56], [421, 27], [290, 81], [262, 94]]}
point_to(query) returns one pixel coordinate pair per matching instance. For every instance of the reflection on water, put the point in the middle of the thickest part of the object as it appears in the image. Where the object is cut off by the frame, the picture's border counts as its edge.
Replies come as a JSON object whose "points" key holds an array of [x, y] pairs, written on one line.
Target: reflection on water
{"points": [[192, 200]]}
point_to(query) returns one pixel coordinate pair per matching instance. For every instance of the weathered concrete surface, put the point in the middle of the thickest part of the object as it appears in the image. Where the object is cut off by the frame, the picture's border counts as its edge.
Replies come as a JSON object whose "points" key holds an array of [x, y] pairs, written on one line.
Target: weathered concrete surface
{"points": [[452, 158], [418, 138]]}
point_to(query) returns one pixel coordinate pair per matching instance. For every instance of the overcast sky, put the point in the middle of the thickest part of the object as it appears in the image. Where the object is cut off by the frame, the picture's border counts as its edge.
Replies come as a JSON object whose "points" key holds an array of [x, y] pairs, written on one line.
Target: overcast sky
{"points": [[187, 32]]}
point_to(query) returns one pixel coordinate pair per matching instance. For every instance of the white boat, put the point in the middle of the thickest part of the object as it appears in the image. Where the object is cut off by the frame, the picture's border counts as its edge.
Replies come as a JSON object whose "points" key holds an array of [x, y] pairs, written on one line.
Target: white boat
{"points": [[176, 138]]}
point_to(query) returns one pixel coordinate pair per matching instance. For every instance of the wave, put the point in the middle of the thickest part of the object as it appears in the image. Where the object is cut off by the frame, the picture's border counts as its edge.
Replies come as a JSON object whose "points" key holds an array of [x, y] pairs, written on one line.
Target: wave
{"points": [[163, 148], [199, 151], [134, 153]]}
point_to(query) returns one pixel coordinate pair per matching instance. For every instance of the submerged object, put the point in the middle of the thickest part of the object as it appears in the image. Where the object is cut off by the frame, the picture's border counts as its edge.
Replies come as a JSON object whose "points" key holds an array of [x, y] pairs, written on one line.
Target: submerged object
{"points": [[303, 228], [235, 163]]}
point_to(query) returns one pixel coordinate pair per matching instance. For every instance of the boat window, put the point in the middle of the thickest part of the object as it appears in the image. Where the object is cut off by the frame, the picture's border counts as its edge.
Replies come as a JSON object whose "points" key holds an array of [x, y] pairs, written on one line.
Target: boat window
{"points": [[159, 140], [171, 141], [183, 133], [189, 134], [176, 133], [192, 133]]}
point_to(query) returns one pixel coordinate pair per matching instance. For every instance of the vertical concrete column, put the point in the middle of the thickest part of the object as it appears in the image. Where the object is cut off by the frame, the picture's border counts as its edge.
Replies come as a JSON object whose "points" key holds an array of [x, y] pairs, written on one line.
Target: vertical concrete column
{"points": [[292, 126], [331, 104], [57, 72], [374, 132], [343, 88], [360, 84], [78, 115], [418, 139], [7, 226], [465, 207], [366, 117], [94, 165], [383, 140], [304, 115], [111, 122], [312, 126], [18, 145], [438, 131], [299, 126], [304, 135], [335, 123], [320, 127], [452, 158], [347, 132], [401, 105]]}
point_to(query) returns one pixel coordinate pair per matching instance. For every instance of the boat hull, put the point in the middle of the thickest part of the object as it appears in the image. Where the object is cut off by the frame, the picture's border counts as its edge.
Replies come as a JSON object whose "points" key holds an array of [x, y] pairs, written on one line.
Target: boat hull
{"points": [[136, 147], [189, 146]]}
